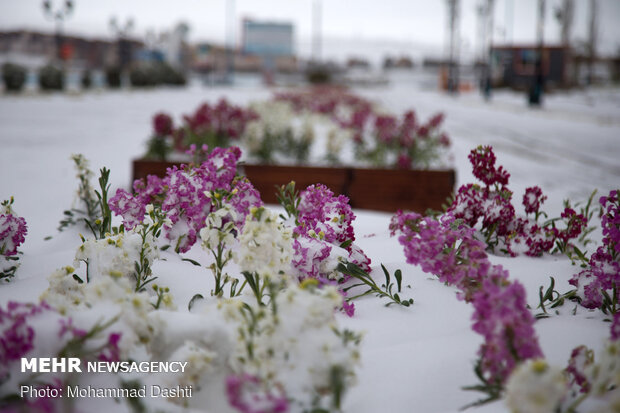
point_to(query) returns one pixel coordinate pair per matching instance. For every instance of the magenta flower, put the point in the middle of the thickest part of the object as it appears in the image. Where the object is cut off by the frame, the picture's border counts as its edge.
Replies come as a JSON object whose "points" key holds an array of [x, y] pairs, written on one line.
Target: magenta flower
{"points": [[483, 162], [533, 198], [16, 335], [131, 208], [162, 124], [246, 394], [13, 230], [451, 252]]}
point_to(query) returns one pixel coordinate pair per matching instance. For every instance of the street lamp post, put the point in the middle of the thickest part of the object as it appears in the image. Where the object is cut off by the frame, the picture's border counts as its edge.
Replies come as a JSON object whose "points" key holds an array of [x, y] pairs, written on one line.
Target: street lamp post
{"points": [[538, 82], [124, 46], [230, 27], [453, 37], [58, 16]]}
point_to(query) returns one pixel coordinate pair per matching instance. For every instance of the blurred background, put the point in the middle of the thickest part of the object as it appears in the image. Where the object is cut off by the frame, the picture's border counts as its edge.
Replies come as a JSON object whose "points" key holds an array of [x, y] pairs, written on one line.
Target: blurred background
{"points": [[454, 45]]}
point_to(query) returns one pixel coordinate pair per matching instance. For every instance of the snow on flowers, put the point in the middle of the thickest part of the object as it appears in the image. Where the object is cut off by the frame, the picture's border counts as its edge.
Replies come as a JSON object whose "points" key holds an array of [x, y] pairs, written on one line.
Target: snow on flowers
{"points": [[267, 337]]}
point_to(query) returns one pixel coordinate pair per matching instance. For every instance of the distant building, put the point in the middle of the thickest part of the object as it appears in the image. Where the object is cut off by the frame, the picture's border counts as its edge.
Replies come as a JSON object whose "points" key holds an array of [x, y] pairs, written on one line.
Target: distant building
{"points": [[25, 45], [267, 38], [515, 66]]}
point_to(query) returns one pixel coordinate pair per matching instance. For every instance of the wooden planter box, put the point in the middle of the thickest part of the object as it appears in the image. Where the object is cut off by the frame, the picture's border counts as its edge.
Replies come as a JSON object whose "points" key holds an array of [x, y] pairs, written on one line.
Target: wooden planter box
{"points": [[375, 189]]}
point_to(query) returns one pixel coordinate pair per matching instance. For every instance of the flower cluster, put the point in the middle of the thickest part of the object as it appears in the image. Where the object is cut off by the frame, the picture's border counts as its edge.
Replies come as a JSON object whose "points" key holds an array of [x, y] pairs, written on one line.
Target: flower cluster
{"points": [[598, 286], [162, 124], [216, 125], [265, 245], [292, 350], [36, 330], [17, 335], [13, 230], [380, 139], [535, 386], [405, 142], [184, 196], [448, 249], [325, 226], [246, 395], [161, 142], [491, 206], [277, 134]]}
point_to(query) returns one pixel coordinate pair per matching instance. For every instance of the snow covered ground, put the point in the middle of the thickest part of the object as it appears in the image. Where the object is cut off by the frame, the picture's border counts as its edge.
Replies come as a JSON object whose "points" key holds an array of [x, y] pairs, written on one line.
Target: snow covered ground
{"points": [[413, 359]]}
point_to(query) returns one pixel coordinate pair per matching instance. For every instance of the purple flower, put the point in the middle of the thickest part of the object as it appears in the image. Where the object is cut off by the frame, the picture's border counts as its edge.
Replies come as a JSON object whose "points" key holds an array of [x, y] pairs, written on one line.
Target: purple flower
{"points": [[450, 251], [246, 394], [580, 359], [16, 335], [13, 230], [309, 254], [162, 124], [131, 208], [483, 162]]}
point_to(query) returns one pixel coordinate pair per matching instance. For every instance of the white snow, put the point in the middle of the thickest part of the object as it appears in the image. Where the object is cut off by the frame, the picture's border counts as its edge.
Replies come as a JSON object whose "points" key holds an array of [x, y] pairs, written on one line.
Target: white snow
{"points": [[412, 359]]}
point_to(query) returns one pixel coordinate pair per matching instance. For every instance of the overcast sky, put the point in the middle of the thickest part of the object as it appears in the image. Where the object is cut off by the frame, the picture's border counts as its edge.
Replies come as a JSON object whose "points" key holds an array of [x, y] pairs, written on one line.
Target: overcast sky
{"points": [[363, 25]]}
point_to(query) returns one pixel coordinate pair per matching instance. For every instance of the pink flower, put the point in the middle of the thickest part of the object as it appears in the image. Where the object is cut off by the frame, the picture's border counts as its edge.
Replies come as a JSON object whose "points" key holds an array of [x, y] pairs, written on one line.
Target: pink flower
{"points": [[483, 162], [131, 208], [247, 395], [162, 124], [533, 198], [451, 252], [13, 230]]}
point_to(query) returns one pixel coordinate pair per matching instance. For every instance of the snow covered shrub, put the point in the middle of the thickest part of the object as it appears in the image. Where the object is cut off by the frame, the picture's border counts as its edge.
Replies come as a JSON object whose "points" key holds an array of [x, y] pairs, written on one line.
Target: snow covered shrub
{"points": [[14, 77], [489, 208], [51, 78], [447, 248], [13, 230], [598, 286]]}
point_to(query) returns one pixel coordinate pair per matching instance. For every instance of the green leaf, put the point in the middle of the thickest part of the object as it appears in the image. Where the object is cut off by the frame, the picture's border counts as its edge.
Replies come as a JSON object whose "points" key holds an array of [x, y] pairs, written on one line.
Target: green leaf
{"points": [[196, 263], [193, 300], [399, 279], [346, 244]]}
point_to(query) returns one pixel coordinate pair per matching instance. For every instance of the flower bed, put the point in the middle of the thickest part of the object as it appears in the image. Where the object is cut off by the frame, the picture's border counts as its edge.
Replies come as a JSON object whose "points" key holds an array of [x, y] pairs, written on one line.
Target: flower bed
{"points": [[323, 135], [266, 333]]}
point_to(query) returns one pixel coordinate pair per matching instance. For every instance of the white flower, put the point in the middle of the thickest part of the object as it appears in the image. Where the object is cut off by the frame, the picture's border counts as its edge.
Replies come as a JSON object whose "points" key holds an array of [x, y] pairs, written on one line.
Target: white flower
{"points": [[219, 228], [265, 245], [535, 387], [605, 374]]}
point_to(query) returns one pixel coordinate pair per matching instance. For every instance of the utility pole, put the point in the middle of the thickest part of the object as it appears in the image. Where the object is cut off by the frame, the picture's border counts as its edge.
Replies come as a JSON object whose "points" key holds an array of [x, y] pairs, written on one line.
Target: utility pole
{"points": [[592, 38], [230, 40], [485, 83], [565, 15], [58, 16], [453, 36], [316, 30], [537, 86]]}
